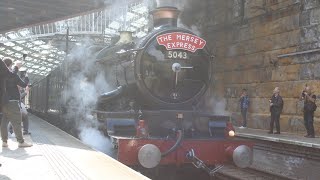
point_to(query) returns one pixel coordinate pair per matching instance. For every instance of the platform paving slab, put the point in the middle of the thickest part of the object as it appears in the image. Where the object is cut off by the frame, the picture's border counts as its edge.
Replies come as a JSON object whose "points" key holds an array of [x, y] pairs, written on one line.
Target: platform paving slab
{"points": [[58, 155], [284, 137]]}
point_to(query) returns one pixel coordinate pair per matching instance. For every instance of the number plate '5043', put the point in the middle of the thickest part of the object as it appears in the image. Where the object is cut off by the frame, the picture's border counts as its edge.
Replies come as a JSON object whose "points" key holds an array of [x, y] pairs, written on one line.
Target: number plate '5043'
{"points": [[177, 55]]}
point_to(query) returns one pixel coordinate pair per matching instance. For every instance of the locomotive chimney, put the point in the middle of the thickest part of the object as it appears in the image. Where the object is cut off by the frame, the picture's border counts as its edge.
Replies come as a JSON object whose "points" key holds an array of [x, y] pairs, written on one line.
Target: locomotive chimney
{"points": [[125, 37], [165, 16]]}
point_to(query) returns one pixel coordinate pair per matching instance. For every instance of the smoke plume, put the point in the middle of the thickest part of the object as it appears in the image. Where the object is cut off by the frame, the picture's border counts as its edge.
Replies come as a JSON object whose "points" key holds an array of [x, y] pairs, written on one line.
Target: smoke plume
{"points": [[94, 138], [193, 15], [219, 106], [214, 101], [84, 85]]}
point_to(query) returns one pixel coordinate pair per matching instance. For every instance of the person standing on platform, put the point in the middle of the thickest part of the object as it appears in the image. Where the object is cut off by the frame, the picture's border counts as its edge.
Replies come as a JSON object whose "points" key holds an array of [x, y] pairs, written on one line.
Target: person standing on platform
{"points": [[4, 73], [24, 112], [308, 110], [244, 105], [276, 106], [11, 108], [23, 93]]}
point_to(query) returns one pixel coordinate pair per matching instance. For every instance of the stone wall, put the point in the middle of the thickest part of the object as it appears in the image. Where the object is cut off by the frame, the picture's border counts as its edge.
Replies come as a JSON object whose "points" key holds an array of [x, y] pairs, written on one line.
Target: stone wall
{"points": [[247, 36]]}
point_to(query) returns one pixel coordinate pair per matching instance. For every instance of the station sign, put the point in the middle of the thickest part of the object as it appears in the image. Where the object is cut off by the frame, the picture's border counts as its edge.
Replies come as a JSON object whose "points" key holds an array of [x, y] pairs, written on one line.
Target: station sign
{"points": [[179, 40]]}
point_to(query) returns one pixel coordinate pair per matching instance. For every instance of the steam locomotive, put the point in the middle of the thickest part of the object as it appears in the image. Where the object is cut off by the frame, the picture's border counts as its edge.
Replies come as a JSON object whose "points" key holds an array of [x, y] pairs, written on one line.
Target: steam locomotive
{"points": [[152, 115]]}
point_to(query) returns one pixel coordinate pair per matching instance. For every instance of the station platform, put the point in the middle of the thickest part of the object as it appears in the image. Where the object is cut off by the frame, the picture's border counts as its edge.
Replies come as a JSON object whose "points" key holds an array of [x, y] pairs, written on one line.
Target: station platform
{"points": [[58, 155], [287, 138]]}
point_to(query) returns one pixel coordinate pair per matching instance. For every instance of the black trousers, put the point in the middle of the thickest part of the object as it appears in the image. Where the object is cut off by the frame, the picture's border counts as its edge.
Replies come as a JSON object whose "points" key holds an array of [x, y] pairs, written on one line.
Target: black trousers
{"points": [[275, 119], [308, 122], [244, 117]]}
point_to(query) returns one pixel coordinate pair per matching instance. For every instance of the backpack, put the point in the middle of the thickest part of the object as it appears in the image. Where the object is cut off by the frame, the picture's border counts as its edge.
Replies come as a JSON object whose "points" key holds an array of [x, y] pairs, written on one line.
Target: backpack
{"points": [[310, 107], [313, 107]]}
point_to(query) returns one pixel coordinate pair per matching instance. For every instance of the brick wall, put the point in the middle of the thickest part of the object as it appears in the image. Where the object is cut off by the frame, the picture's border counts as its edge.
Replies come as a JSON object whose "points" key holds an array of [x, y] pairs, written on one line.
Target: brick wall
{"points": [[247, 36]]}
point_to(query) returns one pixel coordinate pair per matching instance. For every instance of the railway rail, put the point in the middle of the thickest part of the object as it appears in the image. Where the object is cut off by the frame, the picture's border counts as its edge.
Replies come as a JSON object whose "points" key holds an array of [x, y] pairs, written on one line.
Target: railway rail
{"points": [[234, 173], [276, 160]]}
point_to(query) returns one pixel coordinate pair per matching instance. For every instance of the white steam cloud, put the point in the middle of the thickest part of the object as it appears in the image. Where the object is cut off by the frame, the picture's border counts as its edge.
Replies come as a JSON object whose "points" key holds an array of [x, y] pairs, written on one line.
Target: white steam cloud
{"points": [[219, 106], [86, 81], [192, 15], [214, 101], [95, 139]]}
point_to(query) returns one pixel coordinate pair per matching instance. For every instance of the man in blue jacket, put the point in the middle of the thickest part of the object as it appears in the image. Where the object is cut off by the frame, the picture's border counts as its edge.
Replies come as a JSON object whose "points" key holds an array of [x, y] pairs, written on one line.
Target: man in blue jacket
{"points": [[244, 105]]}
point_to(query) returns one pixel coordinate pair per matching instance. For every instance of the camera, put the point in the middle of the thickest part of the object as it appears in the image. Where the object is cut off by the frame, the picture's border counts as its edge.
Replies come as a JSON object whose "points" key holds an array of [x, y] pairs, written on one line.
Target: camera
{"points": [[302, 94]]}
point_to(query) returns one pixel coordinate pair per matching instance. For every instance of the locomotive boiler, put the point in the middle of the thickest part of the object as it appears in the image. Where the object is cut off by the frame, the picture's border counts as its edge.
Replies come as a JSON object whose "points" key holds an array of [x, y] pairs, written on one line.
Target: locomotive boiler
{"points": [[152, 115]]}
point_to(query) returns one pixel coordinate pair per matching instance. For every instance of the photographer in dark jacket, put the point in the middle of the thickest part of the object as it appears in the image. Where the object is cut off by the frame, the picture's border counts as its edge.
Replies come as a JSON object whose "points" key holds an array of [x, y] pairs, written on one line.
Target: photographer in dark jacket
{"points": [[276, 106], [4, 74], [308, 110], [11, 107]]}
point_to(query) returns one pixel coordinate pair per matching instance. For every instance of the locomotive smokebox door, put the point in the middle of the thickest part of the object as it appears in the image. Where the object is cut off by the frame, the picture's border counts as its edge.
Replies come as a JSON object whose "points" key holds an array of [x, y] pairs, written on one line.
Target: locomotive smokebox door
{"points": [[173, 69]]}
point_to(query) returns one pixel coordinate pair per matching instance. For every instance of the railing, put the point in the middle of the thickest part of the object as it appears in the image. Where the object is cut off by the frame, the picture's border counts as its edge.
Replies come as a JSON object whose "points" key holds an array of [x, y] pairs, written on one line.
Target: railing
{"points": [[39, 41], [130, 17]]}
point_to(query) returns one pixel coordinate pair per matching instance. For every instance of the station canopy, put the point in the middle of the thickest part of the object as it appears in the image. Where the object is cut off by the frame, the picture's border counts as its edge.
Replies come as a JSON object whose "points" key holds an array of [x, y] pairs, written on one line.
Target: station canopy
{"points": [[42, 47]]}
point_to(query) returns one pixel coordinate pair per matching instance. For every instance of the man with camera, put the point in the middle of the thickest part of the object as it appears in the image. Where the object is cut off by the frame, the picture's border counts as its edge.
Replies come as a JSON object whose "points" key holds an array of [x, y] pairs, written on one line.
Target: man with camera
{"points": [[23, 92], [308, 110], [4, 74], [276, 106]]}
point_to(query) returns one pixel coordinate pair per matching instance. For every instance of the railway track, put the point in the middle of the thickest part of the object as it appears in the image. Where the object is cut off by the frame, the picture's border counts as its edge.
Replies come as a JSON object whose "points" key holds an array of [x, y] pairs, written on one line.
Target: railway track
{"points": [[276, 160], [234, 173]]}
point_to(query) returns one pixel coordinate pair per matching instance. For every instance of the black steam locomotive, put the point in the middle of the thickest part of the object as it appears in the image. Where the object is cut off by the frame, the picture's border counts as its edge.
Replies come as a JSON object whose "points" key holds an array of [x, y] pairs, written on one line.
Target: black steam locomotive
{"points": [[152, 114], [168, 70]]}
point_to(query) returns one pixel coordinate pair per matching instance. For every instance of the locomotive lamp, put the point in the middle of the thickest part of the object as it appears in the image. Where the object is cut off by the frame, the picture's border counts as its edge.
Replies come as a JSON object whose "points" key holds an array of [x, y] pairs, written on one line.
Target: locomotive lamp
{"points": [[230, 130], [231, 133]]}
